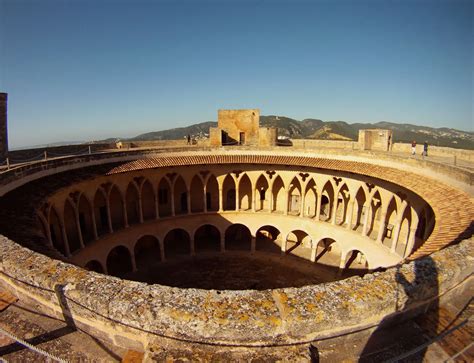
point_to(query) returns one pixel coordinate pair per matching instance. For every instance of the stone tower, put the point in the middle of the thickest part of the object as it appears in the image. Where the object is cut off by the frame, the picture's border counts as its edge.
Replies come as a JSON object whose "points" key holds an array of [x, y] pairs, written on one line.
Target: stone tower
{"points": [[3, 126]]}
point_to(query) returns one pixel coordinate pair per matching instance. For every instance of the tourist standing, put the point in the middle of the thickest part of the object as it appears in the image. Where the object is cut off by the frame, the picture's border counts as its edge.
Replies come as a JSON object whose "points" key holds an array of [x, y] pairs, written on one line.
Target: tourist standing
{"points": [[425, 148], [413, 147]]}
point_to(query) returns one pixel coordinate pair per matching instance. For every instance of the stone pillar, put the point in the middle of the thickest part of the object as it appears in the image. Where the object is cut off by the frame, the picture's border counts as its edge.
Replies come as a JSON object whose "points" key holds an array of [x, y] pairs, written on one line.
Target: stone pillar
{"points": [[140, 208], [283, 247], [221, 199], [395, 235], [205, 198], [318, 206], [350, 212], [134, 262], [383, 224], [173, 212], [162, 250], [334, 209], [109, 216], [188, 200], [314, 250], [237, 196], [368, 210], [3, 127], [65, 240], [285, 211], [192, 245], [94, 225], [124, 213], [222, 243], [411, 242], [157, 207], [78, 227], [303, 203], [253, 244]]}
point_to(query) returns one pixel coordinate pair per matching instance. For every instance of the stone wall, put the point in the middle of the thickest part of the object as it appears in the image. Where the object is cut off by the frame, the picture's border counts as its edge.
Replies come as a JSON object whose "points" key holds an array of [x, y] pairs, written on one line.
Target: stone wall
{"points": [[137, 316], [3, 126], [236, 122]]}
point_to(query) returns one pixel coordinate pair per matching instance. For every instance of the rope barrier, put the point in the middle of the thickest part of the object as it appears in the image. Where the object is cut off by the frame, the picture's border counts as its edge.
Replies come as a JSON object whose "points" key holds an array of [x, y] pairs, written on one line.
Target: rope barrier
{"points": [[32, 347], [35, 158]]}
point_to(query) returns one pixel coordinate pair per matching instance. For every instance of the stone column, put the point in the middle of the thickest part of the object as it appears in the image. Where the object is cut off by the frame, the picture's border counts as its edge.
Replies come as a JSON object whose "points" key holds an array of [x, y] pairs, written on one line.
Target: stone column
{"points": [[221, 199], [3, 127], [334, 208], [411, 241], [350, 212], [283, 247], [188, 200], [314, 252], [237, 196], [124, 212], [140, 208], [134, 263], [366, 217], [285, 211], [395, 235], [65, 239], [109, 215], [303, 202], [270, 190], [78, 227], [222, 243], [192, 246], [383, 224], [94, 225], [253, 244], [205, 198], [318, 206], [157, 207], [162, 251]]}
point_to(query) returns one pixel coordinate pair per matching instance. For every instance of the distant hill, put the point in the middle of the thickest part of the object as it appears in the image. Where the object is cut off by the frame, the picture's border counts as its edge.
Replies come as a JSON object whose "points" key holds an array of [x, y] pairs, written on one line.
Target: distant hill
{"points": [[330, 130]]}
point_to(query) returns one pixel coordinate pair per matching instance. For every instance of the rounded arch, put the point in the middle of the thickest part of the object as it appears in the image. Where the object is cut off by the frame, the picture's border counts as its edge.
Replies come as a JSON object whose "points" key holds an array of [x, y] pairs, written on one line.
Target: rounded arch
{"points": [[133, 207], [356, 263], [148, 201], [147, 251], [212, 194], [197, 194], [180, 196], [116, 208], [55, 231], [238, 237], [94, 265], [207, 238], [228, 193], [268, 238], [177, 243], [119, 261], [71, 227], [261, 193], [278, 195], [298, 243], [328, 252], [164, 197], [85, 219], [245, 193], [101, 212]]}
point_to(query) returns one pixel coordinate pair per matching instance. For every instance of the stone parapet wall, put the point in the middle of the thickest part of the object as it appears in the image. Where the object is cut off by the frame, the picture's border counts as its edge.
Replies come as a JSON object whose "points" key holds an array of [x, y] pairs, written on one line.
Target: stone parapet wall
{"points": [[135, 315]]}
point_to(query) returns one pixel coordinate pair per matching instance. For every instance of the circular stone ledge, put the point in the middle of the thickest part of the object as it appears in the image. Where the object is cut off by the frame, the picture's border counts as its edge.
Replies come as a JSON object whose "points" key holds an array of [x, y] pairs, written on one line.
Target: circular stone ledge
{"points": [[133, 314]]}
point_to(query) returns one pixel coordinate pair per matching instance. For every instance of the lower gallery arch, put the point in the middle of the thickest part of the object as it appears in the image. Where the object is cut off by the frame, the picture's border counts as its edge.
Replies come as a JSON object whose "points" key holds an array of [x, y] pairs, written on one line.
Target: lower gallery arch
{"points": [[328, 252], [207, 238], [356, 263], [298, 243], [147, 251], [268, 239], [238, 237], [94, 265], [177, 243], [119, 261]]}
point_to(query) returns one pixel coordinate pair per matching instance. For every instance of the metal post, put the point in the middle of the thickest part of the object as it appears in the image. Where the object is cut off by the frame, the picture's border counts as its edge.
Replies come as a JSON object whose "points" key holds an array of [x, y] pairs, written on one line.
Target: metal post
{"points": [[90, 150], [8, 164], [45, 155]]}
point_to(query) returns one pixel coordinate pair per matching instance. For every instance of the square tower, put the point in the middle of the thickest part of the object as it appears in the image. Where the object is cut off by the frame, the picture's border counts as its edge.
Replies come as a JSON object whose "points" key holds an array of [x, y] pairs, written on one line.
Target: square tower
{"points": [[3, 126]]}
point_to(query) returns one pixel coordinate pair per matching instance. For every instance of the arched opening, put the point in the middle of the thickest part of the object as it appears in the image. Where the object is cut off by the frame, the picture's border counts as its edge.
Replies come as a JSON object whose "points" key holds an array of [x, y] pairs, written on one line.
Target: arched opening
{"points": [[245, 193], [238, 237], [359, 210], [389, 223], [119, 261], [261, 194], [197, 195], [404, 232], [212, 194], [132, 204], [148, 201], [278, 195], [180, 196], [85, 219], [374, 215], [116, 209], [177, 243], [164, 198], [328, 252], [342, 201], [310, 200], [294, 197], [268, 239], [207, 238], [298, 243], [356, 263], [71, 227], [56, 232], [94, 265], [147, 252], [101, 213], [327, 197], [228, 191]]}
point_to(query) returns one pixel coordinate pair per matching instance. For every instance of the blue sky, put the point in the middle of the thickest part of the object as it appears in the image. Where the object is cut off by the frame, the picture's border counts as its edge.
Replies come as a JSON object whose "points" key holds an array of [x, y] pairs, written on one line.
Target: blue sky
{"points": [[85, 70]]}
